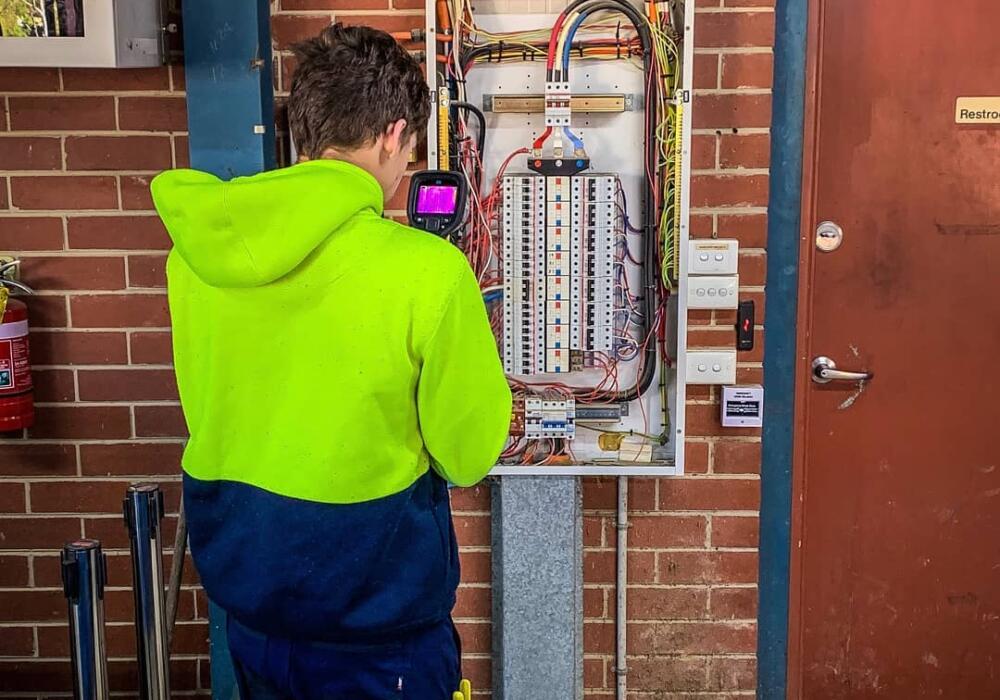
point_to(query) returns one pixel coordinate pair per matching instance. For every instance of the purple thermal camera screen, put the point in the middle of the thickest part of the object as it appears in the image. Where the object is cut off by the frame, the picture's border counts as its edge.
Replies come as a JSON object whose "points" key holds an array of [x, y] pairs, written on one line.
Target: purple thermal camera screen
{"points": [[436, 199]]}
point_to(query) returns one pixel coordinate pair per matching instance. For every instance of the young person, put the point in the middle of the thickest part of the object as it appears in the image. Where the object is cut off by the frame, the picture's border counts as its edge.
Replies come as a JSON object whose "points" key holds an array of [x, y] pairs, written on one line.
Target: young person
{"points": [[335, 369]]}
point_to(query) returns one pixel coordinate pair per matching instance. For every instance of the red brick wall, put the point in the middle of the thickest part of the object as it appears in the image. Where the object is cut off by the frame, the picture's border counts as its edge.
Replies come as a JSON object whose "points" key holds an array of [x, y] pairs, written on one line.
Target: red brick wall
{"points": [[77, 150]]}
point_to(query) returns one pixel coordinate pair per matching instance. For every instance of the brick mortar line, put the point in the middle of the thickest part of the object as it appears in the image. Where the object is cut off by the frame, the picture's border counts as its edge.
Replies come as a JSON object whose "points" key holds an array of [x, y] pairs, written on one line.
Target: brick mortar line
{"points": [[707, 586], [86, 133], [77, 293], [721, 10], [730, 91], [89, 441], [675, 550], [116, 623], [733, 50], [730, 211], [78, 456], [114, 367], [741, 131], [84, 253], [80, 214], [97, 92], [90, 479], [49, 659], [111, 403], [734, 622], [135, 291], [720, 512], [82, 173], [733, 172]]}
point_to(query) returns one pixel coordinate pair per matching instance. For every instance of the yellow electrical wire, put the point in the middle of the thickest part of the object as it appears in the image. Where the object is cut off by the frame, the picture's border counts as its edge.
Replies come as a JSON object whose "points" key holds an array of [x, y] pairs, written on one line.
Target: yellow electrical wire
{"points": [[444, 109]]}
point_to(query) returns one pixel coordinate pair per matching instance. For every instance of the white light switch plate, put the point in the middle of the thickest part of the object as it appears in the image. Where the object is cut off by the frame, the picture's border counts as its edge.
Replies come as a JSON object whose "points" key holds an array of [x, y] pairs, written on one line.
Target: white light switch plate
{"points": [[713, 292], [711, 367], [713, 256]]}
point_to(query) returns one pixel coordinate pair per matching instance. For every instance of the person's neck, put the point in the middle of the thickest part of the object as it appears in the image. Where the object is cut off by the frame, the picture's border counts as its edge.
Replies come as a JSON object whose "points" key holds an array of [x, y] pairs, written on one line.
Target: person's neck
{"points": [[365, 158]]}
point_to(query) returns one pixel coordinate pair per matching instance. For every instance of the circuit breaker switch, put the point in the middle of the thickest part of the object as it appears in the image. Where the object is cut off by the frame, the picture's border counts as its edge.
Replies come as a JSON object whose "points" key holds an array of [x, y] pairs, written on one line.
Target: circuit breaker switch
{"points": [[557, 104], [549, 418], [558, 252]]}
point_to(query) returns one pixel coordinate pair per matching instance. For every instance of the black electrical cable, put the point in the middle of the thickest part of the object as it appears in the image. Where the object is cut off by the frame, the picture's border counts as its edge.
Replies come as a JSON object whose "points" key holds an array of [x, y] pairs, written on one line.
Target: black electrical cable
{"points": [[649, 280], [645, 378], [480, 117], [489, 50], [621, 6]]}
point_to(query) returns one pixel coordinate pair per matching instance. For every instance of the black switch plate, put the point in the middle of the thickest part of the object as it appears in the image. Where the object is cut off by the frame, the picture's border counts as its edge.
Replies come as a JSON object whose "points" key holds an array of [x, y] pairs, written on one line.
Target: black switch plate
{"points": [[744, 326]]}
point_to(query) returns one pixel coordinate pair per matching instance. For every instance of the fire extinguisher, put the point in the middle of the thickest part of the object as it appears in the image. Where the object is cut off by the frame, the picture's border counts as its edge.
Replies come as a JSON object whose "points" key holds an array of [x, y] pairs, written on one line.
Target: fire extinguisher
{"points": [[17, 399]]}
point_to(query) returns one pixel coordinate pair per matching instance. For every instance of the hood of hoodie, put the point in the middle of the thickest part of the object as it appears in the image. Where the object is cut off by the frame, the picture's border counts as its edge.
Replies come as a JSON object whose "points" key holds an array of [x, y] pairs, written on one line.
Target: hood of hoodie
{"points": [[251, 231]]}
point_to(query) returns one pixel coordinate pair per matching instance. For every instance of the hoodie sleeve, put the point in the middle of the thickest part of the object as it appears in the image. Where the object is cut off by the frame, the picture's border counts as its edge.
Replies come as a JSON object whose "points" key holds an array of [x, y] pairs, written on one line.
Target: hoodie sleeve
{"points": [[463, 401]]}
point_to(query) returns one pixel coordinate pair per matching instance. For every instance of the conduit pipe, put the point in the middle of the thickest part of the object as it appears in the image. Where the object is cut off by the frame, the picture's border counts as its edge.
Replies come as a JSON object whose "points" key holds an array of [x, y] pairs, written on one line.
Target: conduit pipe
{"points": [[621, 590]]}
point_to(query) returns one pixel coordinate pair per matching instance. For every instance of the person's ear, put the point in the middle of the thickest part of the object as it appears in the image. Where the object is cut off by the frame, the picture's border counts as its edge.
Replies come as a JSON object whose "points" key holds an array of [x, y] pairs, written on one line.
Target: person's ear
{"points": [[393, 141]]}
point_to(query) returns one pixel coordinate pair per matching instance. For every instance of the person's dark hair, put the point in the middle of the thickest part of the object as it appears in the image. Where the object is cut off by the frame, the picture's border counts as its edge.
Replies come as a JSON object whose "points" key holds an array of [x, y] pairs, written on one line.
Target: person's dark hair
{"points": [[351, 84]]}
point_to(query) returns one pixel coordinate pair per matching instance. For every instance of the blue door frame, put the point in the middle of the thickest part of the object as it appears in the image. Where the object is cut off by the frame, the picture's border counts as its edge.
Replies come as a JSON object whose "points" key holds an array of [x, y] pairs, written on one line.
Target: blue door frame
{"points": [[781, 300], [230, 104], [227, 59]]}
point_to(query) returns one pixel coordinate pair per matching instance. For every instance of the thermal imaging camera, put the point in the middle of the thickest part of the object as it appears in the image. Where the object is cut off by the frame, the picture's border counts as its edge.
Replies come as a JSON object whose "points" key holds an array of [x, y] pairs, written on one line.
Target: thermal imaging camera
{"points": [[437, 201]]}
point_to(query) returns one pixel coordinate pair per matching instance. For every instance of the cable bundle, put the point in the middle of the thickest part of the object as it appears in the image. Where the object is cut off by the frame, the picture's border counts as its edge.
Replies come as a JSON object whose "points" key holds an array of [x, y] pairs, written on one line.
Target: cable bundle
{"points": [[581, 32]]}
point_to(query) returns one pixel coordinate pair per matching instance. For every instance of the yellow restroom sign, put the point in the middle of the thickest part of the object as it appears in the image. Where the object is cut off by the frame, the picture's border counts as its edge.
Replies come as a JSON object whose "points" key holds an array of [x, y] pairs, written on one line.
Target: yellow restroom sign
{"points": [[977, 110]]}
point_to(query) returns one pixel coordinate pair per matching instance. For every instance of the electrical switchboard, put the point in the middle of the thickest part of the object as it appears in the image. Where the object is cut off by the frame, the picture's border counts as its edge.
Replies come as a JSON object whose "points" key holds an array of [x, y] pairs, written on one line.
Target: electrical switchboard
{"points": [[570, 128]]}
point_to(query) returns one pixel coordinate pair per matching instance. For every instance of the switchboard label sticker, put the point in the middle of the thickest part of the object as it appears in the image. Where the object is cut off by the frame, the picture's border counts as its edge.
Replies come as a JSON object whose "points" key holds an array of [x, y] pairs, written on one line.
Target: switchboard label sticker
{"points": [[977, 110]]}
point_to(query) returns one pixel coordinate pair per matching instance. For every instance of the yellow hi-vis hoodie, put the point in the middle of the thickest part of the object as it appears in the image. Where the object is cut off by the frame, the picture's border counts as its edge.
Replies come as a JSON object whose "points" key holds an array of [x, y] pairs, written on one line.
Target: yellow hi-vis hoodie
{"points": [[329, 362]]}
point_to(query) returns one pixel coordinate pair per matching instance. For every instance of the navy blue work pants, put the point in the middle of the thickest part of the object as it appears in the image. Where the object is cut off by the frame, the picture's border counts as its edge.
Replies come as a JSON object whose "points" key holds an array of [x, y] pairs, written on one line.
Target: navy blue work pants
{"points": [[422, 666]]}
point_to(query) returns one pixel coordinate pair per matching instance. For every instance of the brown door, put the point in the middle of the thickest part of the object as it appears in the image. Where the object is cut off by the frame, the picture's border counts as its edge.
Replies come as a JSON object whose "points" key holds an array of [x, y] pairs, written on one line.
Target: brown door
{"points": [[896, 558]]}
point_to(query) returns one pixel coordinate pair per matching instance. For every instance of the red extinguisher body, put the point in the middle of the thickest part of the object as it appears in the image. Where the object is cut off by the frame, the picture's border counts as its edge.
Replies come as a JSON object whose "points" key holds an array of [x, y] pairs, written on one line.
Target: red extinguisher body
{"points": [[17, 404]]}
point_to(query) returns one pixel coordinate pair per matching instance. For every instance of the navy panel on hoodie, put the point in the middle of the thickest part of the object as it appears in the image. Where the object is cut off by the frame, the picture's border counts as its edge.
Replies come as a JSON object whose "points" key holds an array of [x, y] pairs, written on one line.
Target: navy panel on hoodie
{"points": [[325, 572]]}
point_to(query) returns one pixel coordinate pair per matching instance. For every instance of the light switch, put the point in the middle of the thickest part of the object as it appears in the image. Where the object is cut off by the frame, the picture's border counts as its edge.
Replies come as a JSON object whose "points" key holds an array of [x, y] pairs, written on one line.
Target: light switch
{"points": [[713, 256], [711, 367], [713, 292]]}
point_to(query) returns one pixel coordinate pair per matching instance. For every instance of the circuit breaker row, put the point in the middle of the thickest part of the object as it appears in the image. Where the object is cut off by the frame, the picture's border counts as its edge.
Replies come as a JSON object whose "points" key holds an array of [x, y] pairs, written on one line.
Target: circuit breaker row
{"points": [[559, 270]]}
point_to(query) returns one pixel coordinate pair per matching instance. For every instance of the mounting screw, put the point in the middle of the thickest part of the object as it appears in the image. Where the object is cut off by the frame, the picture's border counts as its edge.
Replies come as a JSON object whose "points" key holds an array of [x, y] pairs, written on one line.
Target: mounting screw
{"points": [[256, 63]]}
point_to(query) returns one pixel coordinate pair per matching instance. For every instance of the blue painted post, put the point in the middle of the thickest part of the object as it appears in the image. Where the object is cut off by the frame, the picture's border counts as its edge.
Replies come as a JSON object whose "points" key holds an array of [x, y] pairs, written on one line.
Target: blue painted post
{"points": [[779, 338], [230, 103], [230, 93]]}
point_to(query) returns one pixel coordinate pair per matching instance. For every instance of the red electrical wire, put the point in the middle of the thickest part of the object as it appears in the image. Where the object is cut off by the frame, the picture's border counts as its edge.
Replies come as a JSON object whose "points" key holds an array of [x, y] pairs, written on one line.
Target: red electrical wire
{"points": [[541, 139], [553, 39]]}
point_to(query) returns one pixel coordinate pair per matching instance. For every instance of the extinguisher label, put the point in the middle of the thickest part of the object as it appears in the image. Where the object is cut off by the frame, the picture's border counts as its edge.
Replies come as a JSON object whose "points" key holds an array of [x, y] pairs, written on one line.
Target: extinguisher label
{"points": [[15, 367]]}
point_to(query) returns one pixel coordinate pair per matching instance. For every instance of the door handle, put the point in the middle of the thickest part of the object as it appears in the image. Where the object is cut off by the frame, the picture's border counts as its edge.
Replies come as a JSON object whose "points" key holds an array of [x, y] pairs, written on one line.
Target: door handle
{"points": [[824, 371]]}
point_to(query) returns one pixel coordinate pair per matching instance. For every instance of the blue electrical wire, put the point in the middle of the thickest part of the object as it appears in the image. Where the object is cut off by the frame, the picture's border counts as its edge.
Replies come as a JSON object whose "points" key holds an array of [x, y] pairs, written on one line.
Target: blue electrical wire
{"points": [[577, 141], [569, 42], [574, 139]]}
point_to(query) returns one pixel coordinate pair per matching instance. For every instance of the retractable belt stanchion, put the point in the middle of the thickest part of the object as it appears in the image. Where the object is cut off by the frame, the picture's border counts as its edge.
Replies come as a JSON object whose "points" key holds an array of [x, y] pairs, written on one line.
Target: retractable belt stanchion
{"points": [[84, 573], [143, 518]]}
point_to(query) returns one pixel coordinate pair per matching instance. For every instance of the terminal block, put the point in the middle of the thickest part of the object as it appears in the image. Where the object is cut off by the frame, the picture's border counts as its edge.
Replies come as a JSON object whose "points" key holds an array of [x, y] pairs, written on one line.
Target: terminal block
{"points": [[549, 418]]}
